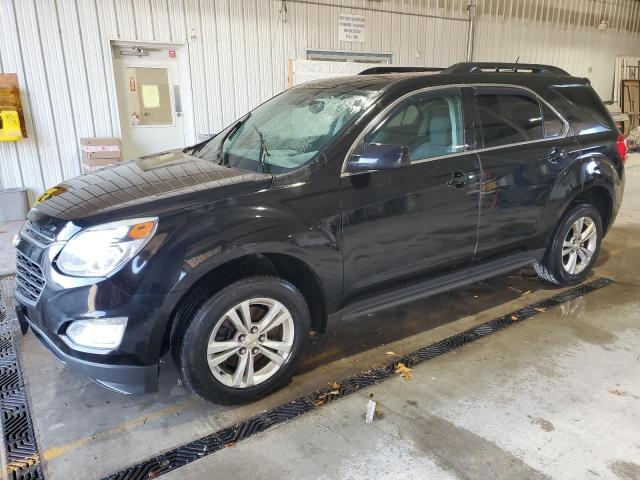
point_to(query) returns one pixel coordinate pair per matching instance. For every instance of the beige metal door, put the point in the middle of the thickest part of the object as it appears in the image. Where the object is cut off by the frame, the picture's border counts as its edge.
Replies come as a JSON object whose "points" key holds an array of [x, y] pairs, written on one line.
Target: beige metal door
{"points": [[149, 102]]}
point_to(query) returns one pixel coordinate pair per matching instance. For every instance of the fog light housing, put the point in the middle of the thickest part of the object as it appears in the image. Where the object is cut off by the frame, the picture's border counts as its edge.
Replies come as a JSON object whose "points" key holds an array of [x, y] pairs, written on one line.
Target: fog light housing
{"points": [[100, 333]]}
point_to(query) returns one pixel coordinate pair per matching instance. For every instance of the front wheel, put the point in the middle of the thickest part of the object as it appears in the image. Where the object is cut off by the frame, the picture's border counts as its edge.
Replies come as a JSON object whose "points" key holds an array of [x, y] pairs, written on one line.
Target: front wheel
{"points": [[574, 247], [244, 341]]}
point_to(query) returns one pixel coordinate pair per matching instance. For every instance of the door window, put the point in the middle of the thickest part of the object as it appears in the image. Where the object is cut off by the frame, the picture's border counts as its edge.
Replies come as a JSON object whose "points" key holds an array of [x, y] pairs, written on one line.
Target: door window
{"points": [[148, 97], [509, 118], [429, 126]]}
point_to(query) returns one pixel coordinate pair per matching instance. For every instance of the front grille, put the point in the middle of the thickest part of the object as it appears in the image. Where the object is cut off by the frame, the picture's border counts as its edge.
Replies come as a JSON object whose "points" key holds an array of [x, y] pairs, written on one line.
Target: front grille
{"points": [[29, 279], [40, 233]]}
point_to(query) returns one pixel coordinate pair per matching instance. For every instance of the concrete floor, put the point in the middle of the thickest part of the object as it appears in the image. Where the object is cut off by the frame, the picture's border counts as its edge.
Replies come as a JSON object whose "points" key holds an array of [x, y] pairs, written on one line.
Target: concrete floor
{"points": [[554, 397], [7, 252]]}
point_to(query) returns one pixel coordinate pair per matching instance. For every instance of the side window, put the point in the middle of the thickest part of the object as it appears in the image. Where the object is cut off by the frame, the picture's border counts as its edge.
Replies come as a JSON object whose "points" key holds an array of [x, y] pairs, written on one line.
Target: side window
{"points": [[509, 118], [552, 124], [430, 126], [406, 118]]}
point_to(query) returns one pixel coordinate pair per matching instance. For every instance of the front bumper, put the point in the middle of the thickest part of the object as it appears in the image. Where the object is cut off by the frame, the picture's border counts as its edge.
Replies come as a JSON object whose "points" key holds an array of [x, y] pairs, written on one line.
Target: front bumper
{"points": [[129, 379]]}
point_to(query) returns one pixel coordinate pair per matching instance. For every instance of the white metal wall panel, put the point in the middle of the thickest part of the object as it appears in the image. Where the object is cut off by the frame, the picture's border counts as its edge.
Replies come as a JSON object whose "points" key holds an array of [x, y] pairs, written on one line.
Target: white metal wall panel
{"points": [[559, 33], [108, 30], [238, 51], [160, 20], [10, 173], [201, 87], [144, 20], [76, 69], [125, 15], [177, 20], [63, 125], [212, 74], [99, 84], [39, 91], [20, 161]]}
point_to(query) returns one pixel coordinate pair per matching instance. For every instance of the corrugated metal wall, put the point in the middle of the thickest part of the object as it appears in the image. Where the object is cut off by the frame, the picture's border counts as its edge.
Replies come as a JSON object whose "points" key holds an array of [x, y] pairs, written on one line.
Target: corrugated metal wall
{"points": [[238, 52]]}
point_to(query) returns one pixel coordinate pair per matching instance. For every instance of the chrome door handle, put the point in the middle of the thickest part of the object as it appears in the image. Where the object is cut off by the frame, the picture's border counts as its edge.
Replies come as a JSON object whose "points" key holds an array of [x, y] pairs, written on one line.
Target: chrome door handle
{"points": [[556, 154]]}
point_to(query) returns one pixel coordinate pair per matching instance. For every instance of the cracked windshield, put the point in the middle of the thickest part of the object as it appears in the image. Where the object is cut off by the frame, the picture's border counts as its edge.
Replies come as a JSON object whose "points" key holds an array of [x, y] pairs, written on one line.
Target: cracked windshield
{"points": [[289, 130]]}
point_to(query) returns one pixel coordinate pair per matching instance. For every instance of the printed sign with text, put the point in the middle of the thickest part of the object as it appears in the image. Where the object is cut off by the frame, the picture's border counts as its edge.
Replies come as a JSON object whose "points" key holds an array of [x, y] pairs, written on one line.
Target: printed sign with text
{"points": [[351, 28]]}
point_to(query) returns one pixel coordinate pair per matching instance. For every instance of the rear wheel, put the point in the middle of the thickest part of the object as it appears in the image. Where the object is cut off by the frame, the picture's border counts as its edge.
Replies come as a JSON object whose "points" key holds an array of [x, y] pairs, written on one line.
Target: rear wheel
{"points": [[243, 342], [574, 248]]}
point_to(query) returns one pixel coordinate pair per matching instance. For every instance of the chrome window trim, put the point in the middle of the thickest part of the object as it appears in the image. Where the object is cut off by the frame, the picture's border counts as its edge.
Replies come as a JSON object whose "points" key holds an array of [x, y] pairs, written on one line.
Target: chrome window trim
{"points": [[378, 118]]}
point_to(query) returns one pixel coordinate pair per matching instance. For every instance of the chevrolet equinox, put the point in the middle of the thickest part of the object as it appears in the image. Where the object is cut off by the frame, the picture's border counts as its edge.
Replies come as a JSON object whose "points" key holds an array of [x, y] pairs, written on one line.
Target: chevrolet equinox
{"points": [[331, 200]]}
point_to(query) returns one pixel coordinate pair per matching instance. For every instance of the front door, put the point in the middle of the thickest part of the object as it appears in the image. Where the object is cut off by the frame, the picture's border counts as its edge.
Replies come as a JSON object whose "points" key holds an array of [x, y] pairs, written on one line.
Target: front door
{"points": [[408, 223], [149, 100]]}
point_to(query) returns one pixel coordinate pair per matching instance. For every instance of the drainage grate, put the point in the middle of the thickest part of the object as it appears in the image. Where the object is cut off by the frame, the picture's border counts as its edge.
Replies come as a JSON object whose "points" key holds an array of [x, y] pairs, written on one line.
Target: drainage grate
{"points": [[189, 452], [23, 460]]}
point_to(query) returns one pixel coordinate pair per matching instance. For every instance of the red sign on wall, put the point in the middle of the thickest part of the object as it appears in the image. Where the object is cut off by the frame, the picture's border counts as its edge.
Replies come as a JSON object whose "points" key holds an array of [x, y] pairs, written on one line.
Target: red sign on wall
{"points": [[172, 54]]}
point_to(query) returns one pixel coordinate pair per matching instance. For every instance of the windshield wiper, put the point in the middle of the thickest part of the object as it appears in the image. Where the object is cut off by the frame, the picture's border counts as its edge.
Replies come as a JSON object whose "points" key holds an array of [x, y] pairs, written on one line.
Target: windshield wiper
{"points": [[263, 148], [198, 146], [220, 155]]}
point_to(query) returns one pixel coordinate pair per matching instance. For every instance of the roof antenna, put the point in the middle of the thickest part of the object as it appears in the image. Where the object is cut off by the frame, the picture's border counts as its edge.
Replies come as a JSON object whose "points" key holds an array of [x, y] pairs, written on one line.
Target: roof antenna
{"points": [[515, 68]]}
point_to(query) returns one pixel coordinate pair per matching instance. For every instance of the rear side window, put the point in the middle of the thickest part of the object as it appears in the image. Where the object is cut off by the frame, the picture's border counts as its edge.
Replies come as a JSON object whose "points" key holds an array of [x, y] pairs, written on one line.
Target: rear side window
{"points": [[509, 118], [582, 107]]}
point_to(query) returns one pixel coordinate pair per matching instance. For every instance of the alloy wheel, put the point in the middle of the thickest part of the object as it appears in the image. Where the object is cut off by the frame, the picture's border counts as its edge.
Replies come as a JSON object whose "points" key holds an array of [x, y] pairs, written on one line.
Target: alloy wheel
{"points": [[250, 342], [579, 245]]}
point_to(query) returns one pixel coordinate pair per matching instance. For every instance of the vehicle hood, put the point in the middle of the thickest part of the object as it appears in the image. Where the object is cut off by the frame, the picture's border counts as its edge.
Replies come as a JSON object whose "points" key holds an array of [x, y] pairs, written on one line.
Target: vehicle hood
{"points": [[148, 185]]}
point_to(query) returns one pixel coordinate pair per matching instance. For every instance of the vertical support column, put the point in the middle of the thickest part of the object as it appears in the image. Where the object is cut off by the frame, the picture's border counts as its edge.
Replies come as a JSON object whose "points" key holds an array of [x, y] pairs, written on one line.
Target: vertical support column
{"points": [[472, 13]]}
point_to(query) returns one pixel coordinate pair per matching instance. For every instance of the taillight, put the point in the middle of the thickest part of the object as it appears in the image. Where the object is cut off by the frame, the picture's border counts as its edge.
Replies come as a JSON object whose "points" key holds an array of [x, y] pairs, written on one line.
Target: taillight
{"points": [[621, 143]]}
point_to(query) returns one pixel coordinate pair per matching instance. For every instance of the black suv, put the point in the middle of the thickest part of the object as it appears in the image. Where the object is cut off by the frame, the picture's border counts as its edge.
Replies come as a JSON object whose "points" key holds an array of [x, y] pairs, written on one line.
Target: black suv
{"points": [[331, 200]]}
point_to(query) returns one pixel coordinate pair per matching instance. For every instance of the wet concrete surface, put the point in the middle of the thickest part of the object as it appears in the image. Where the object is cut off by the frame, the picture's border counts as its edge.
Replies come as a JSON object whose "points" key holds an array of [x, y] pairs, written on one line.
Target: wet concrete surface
{"points": [[77, 420], [556, 396]]}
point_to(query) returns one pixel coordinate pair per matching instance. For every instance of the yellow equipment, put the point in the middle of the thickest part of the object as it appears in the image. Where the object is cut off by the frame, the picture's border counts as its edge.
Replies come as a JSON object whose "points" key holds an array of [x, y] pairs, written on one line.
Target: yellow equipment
{"points": [[10, 129]]}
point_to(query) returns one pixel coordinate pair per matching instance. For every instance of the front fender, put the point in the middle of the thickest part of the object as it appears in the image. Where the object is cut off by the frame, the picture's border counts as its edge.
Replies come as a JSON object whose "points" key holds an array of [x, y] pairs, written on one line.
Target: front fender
{"points": [[210, 236]]}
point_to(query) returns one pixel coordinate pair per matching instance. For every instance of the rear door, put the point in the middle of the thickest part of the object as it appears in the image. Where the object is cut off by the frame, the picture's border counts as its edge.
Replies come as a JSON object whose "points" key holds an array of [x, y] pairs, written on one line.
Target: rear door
{"points": [[407, 223], [525, 148]]}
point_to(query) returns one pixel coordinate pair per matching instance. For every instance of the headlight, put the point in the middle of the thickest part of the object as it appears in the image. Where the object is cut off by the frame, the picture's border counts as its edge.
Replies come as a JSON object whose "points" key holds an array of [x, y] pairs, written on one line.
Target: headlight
{"points": [[104, 333], [98, 251]]}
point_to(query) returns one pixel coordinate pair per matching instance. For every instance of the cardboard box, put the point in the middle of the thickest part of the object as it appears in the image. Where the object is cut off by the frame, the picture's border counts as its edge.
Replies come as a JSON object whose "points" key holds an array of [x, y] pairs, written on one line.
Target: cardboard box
{"points": [[99, 152]]}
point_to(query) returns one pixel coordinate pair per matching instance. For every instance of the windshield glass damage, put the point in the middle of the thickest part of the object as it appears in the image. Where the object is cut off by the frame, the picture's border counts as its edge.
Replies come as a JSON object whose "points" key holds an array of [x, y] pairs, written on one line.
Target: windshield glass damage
{"points": [[288, 131]]}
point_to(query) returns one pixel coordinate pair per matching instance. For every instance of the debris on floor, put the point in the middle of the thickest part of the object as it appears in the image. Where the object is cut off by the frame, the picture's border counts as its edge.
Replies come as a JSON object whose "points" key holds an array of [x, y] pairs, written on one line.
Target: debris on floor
{"points": [[378, 413], [371, 409], [404, 371], [617, 392]]}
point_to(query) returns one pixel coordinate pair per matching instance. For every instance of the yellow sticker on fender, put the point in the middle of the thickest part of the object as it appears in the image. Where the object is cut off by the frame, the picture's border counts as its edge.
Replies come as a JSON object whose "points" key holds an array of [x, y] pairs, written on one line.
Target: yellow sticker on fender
{"points": [[52, 192]]}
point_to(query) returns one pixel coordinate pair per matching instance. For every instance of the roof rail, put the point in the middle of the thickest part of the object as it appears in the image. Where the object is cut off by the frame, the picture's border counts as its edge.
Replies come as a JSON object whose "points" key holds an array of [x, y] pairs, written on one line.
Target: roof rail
{"points": [[475, 67], [392, 69]]}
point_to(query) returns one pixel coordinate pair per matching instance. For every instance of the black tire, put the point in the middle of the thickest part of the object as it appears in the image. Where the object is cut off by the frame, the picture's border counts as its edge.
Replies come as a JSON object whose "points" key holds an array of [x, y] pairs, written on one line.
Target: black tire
{"points": [[193, 338], [551, 268]]}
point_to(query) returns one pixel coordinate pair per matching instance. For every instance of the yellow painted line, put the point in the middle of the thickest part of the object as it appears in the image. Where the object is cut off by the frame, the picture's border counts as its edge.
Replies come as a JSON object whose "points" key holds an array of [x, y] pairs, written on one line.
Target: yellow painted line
{"points": [[54, 452]]}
